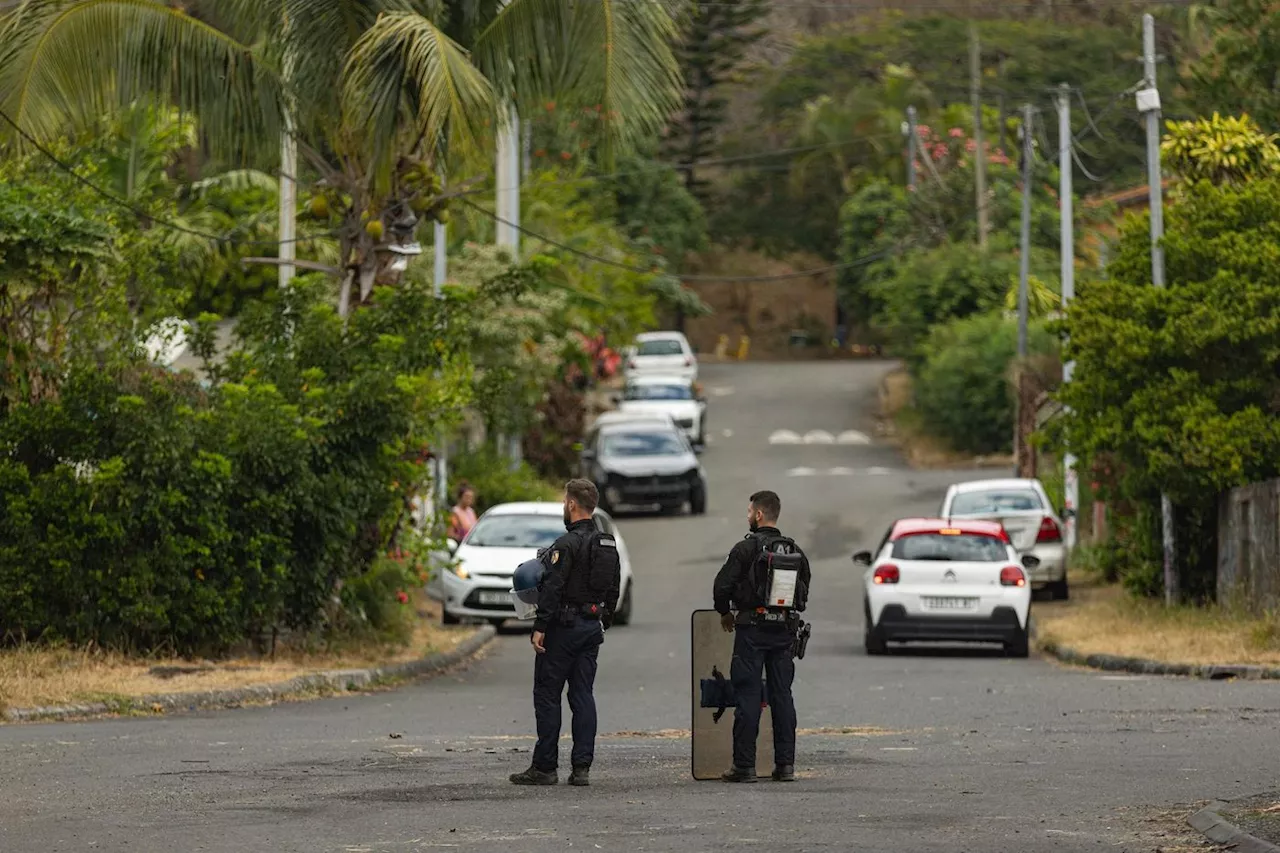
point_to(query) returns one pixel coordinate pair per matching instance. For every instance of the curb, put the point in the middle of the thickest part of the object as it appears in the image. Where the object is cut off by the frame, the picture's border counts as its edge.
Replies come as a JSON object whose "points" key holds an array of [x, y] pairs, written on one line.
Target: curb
{"points": [[331, 680], [1144, 666], [1211, 825]]}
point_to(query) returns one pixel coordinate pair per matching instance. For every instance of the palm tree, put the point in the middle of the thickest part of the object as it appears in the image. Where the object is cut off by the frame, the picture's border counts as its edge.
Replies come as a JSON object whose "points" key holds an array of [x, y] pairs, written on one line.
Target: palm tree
{"points": [[377, 90]]}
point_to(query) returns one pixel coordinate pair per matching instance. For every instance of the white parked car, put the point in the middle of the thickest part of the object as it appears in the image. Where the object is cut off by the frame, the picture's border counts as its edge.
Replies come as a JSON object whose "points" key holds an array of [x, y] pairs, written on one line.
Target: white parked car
{"points": [[478, 586], [953, 581], [1026, 512], [662, 352], [667, 395]]}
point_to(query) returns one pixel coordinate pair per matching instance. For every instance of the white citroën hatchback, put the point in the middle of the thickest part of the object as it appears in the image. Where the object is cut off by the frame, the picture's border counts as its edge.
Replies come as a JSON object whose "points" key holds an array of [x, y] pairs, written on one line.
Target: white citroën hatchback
{"points": [[934, 580]]}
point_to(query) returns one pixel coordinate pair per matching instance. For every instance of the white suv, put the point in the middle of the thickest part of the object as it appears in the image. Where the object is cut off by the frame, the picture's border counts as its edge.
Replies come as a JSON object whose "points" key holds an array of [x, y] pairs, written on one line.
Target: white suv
{"points": [[662, 352]]}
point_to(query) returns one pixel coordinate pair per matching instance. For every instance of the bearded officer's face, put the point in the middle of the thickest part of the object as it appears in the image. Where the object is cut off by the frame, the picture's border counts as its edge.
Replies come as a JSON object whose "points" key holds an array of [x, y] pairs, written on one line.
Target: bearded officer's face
{"points": [[753, 518], [567, 503]]}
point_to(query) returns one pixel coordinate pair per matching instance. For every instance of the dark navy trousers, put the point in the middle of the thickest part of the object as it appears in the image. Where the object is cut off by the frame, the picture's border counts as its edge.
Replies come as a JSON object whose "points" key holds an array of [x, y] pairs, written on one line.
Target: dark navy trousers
{"points": [[768, 652], [570, 658]]}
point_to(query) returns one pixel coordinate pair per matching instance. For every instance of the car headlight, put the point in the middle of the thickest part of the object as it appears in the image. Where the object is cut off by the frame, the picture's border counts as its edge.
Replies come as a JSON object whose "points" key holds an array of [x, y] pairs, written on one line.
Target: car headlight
{"points": [[459, 570]]}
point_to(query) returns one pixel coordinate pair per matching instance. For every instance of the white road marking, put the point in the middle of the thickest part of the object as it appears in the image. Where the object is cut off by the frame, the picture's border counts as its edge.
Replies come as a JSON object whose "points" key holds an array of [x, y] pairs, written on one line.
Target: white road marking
{"points": [[801, 472], [784, 436], [727, 433], [818, 436], [879, 471], [840, 472], [720, 390], [852, 436], [899, 749]]}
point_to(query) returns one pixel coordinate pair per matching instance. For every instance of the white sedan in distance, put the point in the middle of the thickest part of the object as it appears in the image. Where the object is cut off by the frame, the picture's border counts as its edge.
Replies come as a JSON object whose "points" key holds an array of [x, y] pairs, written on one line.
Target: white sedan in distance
{"points": [[934, 580], [662, 352], [667, 395], [478, 583], [1024, 509]]}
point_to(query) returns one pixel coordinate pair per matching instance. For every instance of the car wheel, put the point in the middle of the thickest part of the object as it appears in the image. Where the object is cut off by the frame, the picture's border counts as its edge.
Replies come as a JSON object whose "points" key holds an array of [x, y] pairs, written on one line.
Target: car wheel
{"points": [[497, 623], [1059, 590], [872, 639], [622, 616], [447, 618], [698, 500], [1019, 647]]}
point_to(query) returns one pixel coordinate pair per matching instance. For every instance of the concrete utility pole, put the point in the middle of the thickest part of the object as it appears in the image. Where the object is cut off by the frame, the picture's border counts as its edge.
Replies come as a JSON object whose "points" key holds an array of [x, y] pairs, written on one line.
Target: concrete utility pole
{"points": [[1071, 500], [1024, 275], [910, 130], [1149, 105], [508, 183], [440, 272], [1024, 260], [980, 158], [288, 249]]}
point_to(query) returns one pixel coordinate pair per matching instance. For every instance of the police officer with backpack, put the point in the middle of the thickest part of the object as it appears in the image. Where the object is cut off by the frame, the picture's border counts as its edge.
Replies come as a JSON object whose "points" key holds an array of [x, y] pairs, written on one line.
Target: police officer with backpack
{"points": [[576, 597], [766, 580]]}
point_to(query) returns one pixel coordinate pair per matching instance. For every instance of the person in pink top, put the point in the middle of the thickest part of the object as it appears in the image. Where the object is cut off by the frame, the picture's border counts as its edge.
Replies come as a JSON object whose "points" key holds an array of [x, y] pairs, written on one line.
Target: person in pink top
{"points": [[463, 517]]}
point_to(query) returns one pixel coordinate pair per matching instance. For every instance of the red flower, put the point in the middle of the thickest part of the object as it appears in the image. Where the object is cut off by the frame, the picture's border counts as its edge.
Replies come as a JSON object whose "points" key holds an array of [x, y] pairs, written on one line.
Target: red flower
{"points": [[551, 105], [541, 152], [955, 133], [565, 155], [402, 597]]}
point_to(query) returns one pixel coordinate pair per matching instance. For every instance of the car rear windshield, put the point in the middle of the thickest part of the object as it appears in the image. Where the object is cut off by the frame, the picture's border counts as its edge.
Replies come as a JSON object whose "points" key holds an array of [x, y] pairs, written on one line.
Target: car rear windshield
{"points": [[516, 531], [642, 444], [658, 392], [964, 547], [996, 501], [662, 346]]}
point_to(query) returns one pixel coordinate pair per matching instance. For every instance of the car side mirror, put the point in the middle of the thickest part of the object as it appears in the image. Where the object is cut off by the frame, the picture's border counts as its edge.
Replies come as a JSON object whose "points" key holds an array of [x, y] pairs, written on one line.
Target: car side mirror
{"points": [[588, 454], [697, 449], [452, 544], [616, 399], [1030, 561], [862, 558], [1069, 513]]}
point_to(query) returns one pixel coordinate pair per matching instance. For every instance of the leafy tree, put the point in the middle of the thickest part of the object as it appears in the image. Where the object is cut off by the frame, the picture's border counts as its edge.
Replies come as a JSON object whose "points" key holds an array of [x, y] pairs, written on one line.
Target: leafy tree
{"points": [[1220, 150], [375, 90], [1238, 73], [716, 37], [1178, 385]]}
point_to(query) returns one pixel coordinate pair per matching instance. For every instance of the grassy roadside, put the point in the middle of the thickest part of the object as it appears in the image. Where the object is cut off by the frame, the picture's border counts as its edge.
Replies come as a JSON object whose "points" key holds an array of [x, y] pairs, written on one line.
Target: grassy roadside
{"points": [[1104, 619], [33, 676], [900, 424]]}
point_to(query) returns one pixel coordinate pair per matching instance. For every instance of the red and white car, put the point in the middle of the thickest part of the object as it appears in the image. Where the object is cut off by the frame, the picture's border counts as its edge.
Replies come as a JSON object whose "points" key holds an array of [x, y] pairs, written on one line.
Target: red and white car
{"points": [[934, 580]]}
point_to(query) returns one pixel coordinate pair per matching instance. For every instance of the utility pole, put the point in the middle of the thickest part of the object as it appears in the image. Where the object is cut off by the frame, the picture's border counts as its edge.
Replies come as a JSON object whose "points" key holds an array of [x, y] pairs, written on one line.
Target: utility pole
{"points": [[507, 191], [1024, 274], [980, 155], [440, 272], [909, 128], [288, 249], [1024, 260], [1149, 105], [1071, 483]]}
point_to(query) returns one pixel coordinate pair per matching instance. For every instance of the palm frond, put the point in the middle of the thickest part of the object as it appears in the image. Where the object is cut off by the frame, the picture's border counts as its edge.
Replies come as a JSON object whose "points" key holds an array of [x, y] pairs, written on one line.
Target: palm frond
{"points": [[404, 66], [617, 54], [67, 62], [235, 179]]}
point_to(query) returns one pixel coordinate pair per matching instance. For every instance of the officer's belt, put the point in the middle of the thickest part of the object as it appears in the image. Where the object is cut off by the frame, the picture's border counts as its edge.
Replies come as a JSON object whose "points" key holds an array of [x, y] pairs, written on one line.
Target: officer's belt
{"points": [[586, 611]]}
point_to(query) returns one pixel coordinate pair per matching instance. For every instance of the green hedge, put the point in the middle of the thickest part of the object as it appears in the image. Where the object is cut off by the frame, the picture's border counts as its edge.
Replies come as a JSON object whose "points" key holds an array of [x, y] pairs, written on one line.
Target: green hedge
{"points": [[495, 482], [962, 389]]}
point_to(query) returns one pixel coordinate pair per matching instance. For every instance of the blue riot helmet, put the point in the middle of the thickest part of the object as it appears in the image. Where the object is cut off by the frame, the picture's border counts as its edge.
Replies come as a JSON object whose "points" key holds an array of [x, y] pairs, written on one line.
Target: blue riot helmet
{"points": [[524, 588]]}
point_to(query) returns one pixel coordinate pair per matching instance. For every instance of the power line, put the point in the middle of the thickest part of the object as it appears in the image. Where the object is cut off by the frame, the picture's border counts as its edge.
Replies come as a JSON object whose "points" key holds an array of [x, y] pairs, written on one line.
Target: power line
{"points": [[890, 6], [857, 262], [139, 212]]}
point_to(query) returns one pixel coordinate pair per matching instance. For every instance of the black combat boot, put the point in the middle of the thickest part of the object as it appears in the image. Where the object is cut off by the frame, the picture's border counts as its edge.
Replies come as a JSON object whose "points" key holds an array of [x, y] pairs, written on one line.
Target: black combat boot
{"points": [[581, 776], [737, 774], [534, 776], [784, 773]]}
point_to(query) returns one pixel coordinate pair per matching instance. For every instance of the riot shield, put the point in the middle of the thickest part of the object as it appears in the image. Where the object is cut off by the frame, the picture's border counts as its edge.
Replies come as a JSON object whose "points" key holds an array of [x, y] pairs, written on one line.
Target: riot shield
{"points": [[713, 700]]}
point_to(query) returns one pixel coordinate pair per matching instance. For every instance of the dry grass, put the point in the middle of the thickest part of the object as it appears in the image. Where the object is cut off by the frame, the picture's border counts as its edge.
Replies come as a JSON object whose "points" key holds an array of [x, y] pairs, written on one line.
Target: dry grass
{"points": [[33, 676], [899, 424], [1104, 619]]}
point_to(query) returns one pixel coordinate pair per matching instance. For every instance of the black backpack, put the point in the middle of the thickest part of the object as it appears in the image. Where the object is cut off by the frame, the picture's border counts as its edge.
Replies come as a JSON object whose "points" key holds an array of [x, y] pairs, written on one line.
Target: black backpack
{"points": [[778, 554]]}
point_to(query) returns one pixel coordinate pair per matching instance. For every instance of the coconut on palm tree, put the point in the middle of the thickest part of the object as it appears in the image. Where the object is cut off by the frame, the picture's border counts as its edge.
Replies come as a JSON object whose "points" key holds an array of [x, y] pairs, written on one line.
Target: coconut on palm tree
{"points": [[376, 91]]}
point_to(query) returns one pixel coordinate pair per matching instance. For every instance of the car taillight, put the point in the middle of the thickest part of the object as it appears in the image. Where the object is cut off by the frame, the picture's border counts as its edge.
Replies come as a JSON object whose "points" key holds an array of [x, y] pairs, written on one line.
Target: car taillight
{"points": [[1012, 576], [886, 574], [1049, 531]]}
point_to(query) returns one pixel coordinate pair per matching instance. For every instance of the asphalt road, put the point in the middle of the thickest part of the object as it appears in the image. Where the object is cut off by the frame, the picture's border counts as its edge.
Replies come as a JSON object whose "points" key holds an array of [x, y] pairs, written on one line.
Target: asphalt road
{"points": [[911, 752]]}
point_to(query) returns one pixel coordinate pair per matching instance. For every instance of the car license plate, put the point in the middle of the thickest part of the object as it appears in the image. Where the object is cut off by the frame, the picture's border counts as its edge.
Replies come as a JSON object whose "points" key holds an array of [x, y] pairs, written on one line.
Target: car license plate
{"points": [[949, 603], [495, 597]]}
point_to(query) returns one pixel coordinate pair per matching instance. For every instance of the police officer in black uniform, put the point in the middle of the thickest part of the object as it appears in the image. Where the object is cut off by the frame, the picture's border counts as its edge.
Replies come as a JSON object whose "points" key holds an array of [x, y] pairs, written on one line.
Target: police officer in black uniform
{"points": [[576, 597], [764, 640]]}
